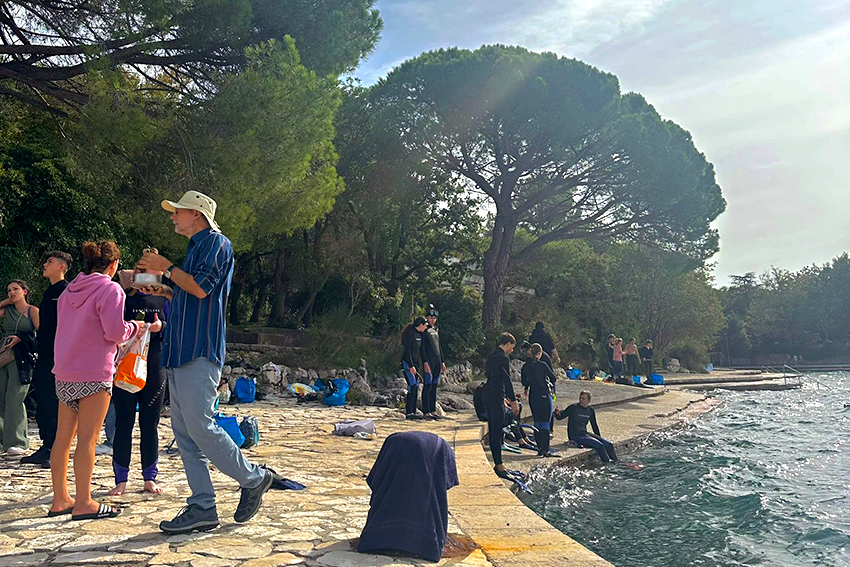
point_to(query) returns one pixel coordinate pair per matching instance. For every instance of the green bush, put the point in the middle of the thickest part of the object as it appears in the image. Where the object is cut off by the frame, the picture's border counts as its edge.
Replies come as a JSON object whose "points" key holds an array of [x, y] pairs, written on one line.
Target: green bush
{"points": [[461, 331], [332, 339]]}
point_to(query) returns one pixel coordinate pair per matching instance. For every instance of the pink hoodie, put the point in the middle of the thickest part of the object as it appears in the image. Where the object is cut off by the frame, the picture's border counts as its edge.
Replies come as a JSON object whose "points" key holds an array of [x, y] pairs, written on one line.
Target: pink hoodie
{"points": [[90, 327]]}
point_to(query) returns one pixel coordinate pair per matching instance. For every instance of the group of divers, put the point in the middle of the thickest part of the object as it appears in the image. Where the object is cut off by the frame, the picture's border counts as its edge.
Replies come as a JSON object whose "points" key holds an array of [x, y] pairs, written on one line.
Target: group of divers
{"points": [[495, 400]]}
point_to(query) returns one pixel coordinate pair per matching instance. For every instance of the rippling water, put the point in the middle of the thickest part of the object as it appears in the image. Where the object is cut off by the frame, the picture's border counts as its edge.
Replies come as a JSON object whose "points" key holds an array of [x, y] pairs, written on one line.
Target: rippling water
{"points": [[762, 480]]}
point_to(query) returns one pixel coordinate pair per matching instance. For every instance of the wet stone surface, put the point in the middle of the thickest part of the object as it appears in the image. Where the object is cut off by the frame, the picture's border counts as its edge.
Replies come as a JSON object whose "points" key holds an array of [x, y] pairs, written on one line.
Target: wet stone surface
{"points": [[310, 527]]}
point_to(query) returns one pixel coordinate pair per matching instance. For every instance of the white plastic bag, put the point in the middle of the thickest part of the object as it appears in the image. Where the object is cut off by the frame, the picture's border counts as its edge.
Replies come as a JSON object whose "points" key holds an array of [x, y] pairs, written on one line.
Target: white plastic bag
{"points": [[132, 364]]}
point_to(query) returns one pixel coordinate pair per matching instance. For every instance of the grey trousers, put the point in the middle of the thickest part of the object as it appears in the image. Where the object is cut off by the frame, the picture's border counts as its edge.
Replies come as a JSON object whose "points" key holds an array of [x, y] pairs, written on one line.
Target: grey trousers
{"points": [[193, 393]]}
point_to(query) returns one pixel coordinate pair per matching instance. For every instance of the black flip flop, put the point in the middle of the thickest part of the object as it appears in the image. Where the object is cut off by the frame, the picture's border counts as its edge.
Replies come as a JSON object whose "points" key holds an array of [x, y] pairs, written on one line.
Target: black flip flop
{"points": [[102, 513], [54, 513]]}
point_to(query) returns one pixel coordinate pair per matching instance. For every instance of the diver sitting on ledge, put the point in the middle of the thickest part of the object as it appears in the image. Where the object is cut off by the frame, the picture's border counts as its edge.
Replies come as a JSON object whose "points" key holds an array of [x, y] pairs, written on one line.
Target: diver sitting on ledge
{"points": [[580, 414]]}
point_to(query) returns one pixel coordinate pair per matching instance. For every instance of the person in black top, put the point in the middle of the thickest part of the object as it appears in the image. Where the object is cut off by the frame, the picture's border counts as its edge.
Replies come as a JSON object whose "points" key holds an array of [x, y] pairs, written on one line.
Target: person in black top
{"points": [[497, 369], [511, 420], [594, 364], [580, 415], [44, 382], [537, 378], [151, 309], [609, 349], [646, 356], [433, 364], [411, 341], [539, 335]]}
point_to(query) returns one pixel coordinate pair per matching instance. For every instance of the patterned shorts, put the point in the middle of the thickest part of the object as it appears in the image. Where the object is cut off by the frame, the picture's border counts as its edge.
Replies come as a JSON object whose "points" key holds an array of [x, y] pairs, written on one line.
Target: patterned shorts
{"points": [[70, 393]]}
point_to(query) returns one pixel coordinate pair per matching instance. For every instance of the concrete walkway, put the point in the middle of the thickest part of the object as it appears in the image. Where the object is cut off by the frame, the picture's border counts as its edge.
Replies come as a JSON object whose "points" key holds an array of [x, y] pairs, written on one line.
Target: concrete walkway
{"points": [[314, 527]]}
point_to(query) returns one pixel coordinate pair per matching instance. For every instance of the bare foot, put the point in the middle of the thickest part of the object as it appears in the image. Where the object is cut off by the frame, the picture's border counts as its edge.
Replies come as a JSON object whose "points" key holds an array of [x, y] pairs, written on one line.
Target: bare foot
{"points": [[152, 487], [63, 504], [119, 489]]}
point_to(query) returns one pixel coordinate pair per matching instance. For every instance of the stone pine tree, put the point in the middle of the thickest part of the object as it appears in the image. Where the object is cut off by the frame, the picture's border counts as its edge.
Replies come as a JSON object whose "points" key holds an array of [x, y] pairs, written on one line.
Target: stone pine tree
{"points": [[556, 148]]}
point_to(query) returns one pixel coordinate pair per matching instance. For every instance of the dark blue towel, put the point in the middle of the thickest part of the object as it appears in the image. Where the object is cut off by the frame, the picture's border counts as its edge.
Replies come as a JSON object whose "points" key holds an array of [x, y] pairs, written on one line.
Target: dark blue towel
{"points": [[409, 510]]}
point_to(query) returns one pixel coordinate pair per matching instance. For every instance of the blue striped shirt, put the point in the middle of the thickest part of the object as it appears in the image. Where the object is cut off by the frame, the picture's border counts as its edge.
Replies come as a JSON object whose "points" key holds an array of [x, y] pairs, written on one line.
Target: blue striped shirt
{"points": [[196, 327]]}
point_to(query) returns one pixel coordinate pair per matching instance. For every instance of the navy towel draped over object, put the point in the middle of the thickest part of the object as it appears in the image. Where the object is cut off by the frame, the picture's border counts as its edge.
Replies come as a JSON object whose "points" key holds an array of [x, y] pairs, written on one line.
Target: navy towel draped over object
{"points": [[409, 508]]}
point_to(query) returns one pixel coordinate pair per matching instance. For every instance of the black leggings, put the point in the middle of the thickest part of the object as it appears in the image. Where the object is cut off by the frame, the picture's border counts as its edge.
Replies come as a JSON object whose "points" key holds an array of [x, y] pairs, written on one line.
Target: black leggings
{"points": [[495, 425], [632, 362], [149, 400]]}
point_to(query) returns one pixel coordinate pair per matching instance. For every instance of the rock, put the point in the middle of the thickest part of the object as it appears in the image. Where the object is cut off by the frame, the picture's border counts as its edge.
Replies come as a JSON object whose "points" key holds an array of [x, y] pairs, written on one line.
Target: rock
{"points": [[352, 559], [238, 371], [360, 392], [212, 562], [270, 379], [226, 370], [312, 376], [458, 373], [299, 375], [452, 402], [276, 560], [673, 364], [28, 559]]}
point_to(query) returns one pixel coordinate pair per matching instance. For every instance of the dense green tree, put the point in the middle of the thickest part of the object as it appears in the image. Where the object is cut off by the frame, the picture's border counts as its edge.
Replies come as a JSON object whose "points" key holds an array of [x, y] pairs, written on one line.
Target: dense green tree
{"points": [[554, 146], [183, 49], [42, 205]]}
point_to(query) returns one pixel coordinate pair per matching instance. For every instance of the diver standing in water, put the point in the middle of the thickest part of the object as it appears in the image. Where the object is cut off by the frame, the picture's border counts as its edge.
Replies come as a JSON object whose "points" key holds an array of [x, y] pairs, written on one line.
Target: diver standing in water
{"points": [[432, 363]]}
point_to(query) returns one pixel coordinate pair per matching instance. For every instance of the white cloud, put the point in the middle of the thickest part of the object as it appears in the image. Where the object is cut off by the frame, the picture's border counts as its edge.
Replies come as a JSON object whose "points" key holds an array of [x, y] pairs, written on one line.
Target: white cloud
{"points": [[575, 27]]}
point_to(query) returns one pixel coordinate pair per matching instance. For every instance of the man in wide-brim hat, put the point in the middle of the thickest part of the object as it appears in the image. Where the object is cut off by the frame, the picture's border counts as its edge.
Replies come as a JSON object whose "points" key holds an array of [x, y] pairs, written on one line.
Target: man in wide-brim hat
{"points": [[193, 354]]}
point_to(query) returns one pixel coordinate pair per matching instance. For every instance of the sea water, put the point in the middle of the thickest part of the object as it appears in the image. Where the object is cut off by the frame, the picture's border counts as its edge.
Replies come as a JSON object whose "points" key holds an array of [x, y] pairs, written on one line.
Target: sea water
{"points": [[764, 479]]}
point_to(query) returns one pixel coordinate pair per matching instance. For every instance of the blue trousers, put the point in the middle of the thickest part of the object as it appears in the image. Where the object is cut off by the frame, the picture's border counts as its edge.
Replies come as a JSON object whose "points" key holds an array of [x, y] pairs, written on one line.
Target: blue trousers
{"points": [[603, 447], [193, 394]]}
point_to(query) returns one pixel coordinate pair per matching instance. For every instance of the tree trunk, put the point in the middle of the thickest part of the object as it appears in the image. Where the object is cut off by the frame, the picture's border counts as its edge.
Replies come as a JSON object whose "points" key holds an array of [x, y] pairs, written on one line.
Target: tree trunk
{"points": [[496, 263], [260, 301], [281, 282], [243, 267]]}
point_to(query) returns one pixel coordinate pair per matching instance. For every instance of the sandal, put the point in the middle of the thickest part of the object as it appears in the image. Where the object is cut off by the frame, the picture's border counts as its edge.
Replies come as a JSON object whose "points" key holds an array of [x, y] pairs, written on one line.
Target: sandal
{"points": [[54, 513], [103, 512]]}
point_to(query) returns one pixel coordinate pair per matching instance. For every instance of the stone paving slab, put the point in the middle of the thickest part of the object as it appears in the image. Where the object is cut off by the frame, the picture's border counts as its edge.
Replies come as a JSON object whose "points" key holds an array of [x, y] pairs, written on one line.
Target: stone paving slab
{"points": [[314, 527], [311, 527]]}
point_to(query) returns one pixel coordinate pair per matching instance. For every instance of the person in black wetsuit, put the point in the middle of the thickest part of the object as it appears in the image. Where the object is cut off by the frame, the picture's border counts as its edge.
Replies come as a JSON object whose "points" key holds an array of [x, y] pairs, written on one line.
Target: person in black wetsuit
{"points": [[592, 356], [433, 364], [151, 309], [537, 378], [44, 382], [411, 341], [497, 369], [580, 415], [511, 420], [609, 349], [539, 335], [646, 357]]}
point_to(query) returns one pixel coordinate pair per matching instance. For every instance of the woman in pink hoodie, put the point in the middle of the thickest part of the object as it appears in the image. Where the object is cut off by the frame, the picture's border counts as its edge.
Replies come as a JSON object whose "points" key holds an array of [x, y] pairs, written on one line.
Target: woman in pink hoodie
{"points": [[90, 327]]}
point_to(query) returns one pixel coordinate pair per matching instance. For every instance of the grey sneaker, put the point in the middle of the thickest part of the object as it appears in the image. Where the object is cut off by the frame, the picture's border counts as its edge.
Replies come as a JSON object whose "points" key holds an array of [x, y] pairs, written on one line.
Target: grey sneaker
{"points": [[189, 519], [252, 498]]}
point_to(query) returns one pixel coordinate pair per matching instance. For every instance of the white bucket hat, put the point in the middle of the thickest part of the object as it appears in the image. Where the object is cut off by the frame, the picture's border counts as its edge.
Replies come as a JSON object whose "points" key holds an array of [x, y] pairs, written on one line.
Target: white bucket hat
{"points": [[197, 202]]}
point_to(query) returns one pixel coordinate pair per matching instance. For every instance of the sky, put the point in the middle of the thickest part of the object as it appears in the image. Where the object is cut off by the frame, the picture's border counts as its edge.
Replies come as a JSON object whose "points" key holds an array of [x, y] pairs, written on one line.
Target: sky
{"points": [[762, 85]]}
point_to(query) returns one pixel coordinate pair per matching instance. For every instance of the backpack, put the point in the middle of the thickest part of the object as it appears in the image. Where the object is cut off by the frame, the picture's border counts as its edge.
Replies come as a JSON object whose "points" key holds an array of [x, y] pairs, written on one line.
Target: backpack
{"points": [[245, 390], [250, 428]]}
